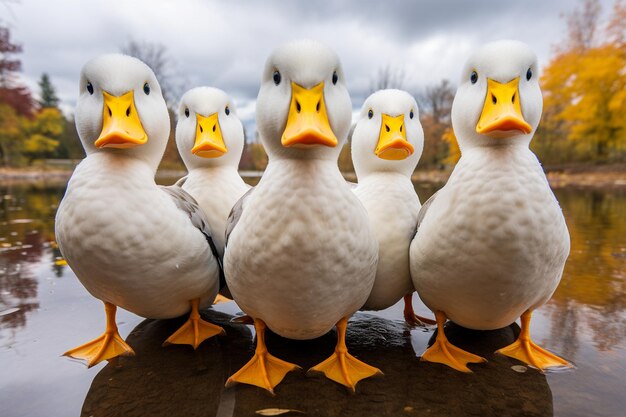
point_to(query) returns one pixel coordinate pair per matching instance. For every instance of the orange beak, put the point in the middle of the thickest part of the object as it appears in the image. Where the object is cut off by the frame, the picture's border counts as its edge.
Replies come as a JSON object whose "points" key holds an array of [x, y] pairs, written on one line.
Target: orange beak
{"points": [[121, 126], [307, 122], [502, 113], [209, 140], [392, 143]]}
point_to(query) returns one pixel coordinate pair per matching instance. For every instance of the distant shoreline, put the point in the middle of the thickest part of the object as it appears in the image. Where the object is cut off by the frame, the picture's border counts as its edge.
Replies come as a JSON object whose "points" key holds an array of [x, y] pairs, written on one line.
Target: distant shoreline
{"points": [[600, 176]]}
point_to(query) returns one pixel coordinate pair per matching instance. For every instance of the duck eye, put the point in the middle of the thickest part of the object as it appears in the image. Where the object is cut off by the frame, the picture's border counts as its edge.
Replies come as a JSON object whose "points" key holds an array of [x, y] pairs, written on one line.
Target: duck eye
{"points": [[90, 88], [411, 114], [146, 88], [474, 77], [370, 114], [187, 112], [276, 77], [335, 77], [227, 111], [529, 74]]}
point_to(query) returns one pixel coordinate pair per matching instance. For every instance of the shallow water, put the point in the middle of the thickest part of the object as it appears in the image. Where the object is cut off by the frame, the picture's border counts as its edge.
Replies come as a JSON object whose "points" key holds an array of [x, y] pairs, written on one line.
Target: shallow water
{"points": [[44, 311]]}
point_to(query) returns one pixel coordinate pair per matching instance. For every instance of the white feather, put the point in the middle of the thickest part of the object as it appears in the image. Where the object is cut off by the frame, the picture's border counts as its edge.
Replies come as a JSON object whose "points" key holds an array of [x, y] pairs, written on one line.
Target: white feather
{"points": [[494, 242], [302, 255], [386, 191], [121, 234]]}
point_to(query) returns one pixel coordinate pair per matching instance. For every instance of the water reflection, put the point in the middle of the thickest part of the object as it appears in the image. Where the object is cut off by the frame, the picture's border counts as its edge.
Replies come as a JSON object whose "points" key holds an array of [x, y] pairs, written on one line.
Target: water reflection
{"points": [[26, 232], [591, 293], [39, 299], [194, 381]]}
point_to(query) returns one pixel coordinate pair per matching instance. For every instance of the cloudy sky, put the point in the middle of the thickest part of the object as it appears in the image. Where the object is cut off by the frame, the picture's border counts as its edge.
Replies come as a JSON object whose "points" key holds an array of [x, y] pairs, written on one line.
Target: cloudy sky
{"points": [[225, 44]]}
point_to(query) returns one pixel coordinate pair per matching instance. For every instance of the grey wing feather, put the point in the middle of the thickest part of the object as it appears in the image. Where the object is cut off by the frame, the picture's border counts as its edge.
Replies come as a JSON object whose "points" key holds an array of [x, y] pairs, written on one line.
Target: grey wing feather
{"points": [[422, 213], [185, 202], [235, 214]]}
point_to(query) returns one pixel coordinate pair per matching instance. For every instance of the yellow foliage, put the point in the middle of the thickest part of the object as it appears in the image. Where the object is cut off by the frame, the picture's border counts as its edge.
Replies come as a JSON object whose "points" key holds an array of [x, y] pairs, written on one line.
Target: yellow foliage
{"points": [[585, 99], [454, 152], [37, 143], [42, 132], [9, 132], [9, 122], [258, 156]]}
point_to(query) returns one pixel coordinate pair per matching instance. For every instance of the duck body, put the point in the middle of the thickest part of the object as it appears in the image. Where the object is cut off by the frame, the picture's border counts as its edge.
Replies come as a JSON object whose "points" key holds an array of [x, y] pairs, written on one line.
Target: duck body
{"points": [[300, 254], [303, 254], [216, 189], [210, 140], [387, 143], [118, 230], [494, 241], [491, 245], [130, 242], [394, 231]]}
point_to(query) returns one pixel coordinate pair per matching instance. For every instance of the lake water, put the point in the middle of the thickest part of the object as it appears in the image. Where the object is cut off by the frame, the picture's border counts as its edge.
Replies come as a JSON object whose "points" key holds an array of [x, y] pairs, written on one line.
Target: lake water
{"points": [[44, 311]]}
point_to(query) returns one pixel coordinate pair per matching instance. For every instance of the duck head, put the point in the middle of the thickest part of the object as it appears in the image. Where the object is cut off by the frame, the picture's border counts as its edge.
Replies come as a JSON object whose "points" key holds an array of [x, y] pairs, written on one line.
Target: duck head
{"points": [[303, 108], [498, 101], [208, 132], [120, 109], [388, 135]]}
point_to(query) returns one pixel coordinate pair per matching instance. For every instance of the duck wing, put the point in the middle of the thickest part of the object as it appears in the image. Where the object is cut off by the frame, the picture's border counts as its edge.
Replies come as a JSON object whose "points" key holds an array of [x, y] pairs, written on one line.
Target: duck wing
{"points": [[185, 202], [235, 214]]}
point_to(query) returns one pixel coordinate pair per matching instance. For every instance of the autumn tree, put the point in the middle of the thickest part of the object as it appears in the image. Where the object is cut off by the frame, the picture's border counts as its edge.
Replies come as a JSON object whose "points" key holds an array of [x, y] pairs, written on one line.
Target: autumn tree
{"points": [[584, 88], [15, 99], [9, 64], [435, 105], [9, 133], [41, 133], [11, 91]]}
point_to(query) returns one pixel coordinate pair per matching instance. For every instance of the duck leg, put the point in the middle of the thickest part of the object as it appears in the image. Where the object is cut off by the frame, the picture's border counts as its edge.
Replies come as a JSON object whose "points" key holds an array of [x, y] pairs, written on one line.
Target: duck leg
{"points": [[525, 350], [342, 367], [442, 351], [410, 317], [105, 347], [195, 330], [263, 370]]}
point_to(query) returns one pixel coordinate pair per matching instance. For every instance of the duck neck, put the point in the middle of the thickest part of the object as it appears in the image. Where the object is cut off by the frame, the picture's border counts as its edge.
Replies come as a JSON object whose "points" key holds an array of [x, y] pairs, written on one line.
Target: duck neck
{"points": [[384, 176], [215, 171], [109, 165], [303, 171]]}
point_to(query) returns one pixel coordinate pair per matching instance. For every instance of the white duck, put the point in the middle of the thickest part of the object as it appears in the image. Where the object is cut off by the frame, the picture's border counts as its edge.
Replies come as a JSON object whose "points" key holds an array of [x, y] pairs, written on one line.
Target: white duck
{"points": [[210, 140], [300, 253], [130, 242], [493, 243], [387, 143]]}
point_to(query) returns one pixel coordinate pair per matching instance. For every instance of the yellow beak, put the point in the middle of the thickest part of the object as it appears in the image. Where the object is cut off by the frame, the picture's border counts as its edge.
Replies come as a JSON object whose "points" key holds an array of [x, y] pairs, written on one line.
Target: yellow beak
{"points": [[209, 141], [392, 143], [121, 126], [307, 122], [502, 113]]}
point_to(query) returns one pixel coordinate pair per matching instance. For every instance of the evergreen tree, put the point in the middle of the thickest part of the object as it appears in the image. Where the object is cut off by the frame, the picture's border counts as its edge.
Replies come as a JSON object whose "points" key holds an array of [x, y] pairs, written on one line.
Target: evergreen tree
{"points": [[48, 94]]}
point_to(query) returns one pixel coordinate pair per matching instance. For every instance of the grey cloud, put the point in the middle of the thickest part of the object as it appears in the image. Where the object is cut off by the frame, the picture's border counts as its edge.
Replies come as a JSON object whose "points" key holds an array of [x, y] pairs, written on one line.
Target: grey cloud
{"points": [[226, 43]]}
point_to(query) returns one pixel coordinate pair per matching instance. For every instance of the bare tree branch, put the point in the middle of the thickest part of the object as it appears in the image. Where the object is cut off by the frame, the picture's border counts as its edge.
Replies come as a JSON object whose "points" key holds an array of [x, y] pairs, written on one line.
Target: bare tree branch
{"points": [[156, 56], [388, 77]]}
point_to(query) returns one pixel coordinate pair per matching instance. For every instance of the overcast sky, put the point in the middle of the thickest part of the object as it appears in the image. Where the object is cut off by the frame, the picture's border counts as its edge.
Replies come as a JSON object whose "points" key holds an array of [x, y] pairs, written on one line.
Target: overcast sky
{"points": [[225, 44]]}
